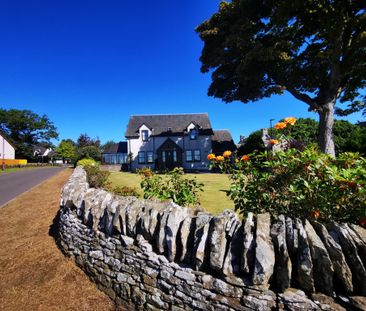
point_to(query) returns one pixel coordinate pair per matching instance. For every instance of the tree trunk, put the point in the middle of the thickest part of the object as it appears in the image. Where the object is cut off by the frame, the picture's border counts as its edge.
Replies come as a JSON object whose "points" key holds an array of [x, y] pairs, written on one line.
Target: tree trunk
{"points": [[326, 121]]}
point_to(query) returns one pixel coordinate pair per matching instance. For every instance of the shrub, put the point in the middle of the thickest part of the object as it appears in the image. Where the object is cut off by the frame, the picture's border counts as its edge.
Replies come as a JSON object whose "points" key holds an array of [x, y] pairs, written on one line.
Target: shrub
{"points": [[174, 186], [87, 162], [95, 176], [306, 184], [123, 191]]}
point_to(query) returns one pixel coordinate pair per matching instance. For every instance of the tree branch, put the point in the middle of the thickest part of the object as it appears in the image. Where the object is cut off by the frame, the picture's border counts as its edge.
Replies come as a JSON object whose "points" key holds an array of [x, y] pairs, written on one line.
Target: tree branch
{"points": [[303, 97]]}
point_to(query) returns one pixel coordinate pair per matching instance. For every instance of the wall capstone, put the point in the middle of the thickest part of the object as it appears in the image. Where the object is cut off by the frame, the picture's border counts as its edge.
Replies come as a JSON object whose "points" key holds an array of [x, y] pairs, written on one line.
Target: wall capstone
{"points": [[151, 255]]}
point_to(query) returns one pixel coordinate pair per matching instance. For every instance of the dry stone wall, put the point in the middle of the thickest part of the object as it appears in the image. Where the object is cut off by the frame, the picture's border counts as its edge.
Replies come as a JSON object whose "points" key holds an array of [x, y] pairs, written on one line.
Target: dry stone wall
{"points": [[149, 255]]}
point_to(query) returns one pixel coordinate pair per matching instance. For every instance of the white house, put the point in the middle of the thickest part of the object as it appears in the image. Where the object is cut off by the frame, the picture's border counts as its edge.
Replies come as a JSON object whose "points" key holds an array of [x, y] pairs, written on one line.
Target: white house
{"points": [[7, 151], [172, 140]]}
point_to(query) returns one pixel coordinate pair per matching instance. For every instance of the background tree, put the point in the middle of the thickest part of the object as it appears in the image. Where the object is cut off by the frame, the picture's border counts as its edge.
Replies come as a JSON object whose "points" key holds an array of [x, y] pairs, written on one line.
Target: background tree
{"points": [[108, 145], [88, 147], [315, 50], [25, 129], [67, 150], [253, 142], [84, 140]]}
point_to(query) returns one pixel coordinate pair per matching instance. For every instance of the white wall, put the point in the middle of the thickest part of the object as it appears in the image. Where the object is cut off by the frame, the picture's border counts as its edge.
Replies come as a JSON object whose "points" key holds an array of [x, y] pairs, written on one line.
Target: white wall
{"points": [[203, 143], [6, 150]]}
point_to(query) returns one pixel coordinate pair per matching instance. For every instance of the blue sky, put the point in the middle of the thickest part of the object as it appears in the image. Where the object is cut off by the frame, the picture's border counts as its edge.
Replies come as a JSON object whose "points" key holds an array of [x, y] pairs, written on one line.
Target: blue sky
{"points": [[88, 65]]}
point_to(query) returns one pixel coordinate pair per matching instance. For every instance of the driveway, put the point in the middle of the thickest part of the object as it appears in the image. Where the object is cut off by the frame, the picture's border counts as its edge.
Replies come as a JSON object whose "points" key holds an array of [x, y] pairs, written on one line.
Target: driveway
{"points": [[14, 184]]}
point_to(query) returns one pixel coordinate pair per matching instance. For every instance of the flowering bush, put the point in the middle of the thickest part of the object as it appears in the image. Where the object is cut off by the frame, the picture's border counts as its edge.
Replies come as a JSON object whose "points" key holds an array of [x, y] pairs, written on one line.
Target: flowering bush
{"points": [[183, 191], [304, 184], [96, 177], [87, 162]]}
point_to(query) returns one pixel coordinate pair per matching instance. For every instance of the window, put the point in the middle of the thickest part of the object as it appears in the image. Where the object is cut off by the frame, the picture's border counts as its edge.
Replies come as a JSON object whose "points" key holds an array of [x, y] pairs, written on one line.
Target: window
{"points": [[141, 157], [193, 134], [175, 156], [189, 157], [145, 135], [163, 156], [150, 156], [197, 155]]}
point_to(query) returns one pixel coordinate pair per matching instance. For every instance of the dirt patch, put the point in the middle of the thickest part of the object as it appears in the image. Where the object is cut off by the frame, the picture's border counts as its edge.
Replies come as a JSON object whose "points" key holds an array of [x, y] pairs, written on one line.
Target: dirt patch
{"points": [[34, 274]]}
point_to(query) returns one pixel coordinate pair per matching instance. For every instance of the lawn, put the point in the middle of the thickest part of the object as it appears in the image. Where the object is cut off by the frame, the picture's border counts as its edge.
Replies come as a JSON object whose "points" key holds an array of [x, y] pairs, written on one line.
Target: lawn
{"points": [[213, 198]]}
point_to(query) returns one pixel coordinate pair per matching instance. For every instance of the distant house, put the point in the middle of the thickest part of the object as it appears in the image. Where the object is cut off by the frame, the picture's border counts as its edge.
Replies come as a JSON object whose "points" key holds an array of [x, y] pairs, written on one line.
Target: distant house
{"points": [[116, 154], [172, 140], [43, 154], [7, 150], [222, 141]]}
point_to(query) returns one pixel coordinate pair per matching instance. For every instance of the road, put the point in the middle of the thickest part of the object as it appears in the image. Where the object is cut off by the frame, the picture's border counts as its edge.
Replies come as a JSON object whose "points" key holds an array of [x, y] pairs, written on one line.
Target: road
{"points": [[14, 184]]}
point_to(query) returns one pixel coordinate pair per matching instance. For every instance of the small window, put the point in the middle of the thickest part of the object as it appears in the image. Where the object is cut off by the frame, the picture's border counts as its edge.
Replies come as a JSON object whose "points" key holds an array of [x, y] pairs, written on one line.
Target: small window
{"points": [[193, 134], [141, 157], [197, 155], [189, 157], [145, 135], [175, 156], [163, 156], [150, 156], [169, 129]]}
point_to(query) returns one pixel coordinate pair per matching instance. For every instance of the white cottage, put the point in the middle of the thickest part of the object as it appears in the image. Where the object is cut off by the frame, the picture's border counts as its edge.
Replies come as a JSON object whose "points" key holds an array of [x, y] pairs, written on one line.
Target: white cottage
{"points": [[7, 150], [167, 141]]}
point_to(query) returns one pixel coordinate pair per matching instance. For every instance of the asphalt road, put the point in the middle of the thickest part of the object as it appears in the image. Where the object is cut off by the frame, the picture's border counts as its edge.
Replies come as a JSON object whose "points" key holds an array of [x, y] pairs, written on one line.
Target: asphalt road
{"points": [[14, 184]]}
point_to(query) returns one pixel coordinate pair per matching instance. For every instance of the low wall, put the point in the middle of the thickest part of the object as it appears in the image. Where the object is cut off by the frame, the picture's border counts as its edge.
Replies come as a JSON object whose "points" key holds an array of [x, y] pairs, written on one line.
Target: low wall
{"points": [[149, 255]]}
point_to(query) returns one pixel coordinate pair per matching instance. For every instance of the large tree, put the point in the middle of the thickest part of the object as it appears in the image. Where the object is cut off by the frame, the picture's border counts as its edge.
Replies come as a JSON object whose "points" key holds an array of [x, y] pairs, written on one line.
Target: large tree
{"points": [[67, 150], [314, 49], [25, 129]]}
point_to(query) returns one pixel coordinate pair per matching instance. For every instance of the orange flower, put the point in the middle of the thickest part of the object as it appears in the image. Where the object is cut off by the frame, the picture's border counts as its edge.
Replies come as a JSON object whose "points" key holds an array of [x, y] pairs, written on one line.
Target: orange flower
{"points": [[273, 142], [211, 156], [245, 158], [290, 120], [315, 214], [219, 158], [227, 154], [280, 125]]}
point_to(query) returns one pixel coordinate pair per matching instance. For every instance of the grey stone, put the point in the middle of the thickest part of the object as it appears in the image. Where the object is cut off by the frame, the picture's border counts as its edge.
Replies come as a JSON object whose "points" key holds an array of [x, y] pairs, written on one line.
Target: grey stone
{"points": [[323, 268], [360, 244], [264, 253], [249, 244], [185, 231], [304, 263], [232, 261], [200, 238], [185, 275], [217, 242], [96, 255], [350, 251], [283, 267], [126, 240], [294, 299], [160, 239], [341, 269]]}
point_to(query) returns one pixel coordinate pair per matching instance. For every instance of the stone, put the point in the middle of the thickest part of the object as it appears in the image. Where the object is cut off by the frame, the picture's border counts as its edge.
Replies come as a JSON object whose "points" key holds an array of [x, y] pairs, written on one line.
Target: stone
{"points": [[96, 255], [351, 253], [304, 278], [264, 259], [249, 245], [322, 265], [295, 299], [126, 240], [292, 238], [341, 269], [283, 267], [160, 239], [184, 235], [200, 238], [185, 275], [326, 303], [232, 261], [360, 244], [175, 217], [132, 211], [361, 232], [217, 242]]}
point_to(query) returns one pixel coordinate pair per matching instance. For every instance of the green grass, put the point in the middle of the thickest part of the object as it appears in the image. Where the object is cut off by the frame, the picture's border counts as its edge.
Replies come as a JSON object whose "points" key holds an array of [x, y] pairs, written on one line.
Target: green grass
{"points": [[16, 169], [213, 198]]}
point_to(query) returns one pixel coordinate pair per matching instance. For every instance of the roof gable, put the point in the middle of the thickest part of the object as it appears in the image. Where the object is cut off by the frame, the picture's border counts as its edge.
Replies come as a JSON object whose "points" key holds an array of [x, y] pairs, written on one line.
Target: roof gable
{"points": [[159, 124]]}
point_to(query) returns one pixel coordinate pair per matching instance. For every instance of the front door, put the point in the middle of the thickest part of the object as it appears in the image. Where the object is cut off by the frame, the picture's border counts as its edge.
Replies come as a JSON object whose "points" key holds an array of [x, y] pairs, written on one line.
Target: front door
{"points": [[170, 159], [169, 155]]}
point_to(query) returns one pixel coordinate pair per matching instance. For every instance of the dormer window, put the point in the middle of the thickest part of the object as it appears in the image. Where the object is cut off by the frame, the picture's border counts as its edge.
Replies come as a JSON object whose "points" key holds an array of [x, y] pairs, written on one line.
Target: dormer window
{"points": [[145, 135], [193, 134]]}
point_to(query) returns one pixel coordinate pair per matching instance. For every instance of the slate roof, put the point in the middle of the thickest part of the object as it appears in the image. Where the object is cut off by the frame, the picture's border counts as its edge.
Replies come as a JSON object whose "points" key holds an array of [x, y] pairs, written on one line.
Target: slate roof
{"points": [[120, 147], [161, 124], [222, 141]]}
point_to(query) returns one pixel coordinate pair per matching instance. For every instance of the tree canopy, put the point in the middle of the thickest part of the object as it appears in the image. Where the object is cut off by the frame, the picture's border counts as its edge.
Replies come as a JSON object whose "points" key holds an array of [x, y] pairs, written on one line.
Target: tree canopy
{"points": [[315, 50], [67, 149], [26, 129]]}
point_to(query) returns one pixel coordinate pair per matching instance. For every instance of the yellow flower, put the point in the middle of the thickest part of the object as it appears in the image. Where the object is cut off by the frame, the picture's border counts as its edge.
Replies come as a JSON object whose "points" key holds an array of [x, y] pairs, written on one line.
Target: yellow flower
{"points": [[227, 154], [280, 125], [273, 142], [290, 120], [211, 157], [219, 158], [245, 158]]}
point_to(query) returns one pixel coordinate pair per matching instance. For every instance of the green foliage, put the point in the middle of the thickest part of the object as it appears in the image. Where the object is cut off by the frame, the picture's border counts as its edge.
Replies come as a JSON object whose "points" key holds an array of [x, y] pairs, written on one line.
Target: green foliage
{"points": [[25, 129], [176, 187], [87, 162], [252, 143], [108, 145], [123, 191], [67, 149], [304, 184], [92, 152], [96, 177], [315, 50]]}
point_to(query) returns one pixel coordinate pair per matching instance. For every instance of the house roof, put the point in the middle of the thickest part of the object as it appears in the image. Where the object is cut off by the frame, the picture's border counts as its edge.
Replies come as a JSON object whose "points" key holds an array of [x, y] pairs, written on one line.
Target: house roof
{"points": [[6, 138], [222, 141], [165, 124], [120, 147]]}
